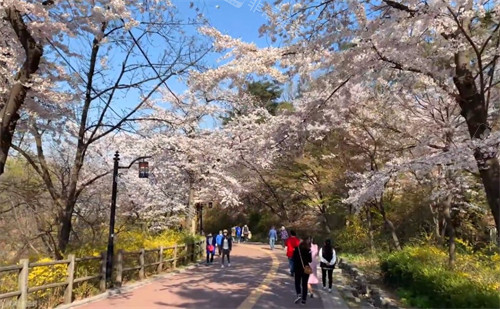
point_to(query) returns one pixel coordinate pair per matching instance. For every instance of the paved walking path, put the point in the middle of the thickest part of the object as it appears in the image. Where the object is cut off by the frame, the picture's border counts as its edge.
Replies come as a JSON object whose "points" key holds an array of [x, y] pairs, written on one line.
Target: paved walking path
{"points": [[257, 278]]}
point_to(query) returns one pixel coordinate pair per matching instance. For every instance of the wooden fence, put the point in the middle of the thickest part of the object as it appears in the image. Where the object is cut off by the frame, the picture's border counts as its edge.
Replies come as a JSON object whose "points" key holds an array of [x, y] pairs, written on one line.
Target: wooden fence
{"points": [[183, 254]]}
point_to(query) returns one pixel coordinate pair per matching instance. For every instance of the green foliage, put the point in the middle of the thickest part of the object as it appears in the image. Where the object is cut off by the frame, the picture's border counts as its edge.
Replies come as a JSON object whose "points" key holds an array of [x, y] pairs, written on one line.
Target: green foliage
{"points": [[426, 281], [267, 94], [353, 238]]}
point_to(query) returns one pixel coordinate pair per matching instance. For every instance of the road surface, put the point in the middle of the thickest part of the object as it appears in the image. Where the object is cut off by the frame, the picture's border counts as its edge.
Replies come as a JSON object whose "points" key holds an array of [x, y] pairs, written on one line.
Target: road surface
{"points": [[257, 278]]}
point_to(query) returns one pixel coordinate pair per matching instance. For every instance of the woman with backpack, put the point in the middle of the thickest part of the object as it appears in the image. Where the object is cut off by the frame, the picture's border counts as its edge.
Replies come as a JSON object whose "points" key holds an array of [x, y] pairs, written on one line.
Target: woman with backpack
{"points": [[328, 260], [245, 232], [302, 270]]}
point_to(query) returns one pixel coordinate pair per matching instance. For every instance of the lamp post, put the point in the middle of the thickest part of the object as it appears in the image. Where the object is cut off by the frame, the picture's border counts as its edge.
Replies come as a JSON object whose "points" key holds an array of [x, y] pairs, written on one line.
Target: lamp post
{"points": [[199, 208], [143, 173]]}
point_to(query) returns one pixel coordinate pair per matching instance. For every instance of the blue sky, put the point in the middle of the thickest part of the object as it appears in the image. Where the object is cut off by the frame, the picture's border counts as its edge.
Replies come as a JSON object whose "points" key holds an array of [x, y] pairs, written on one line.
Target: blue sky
{"points": [[237, 18], [241, 22]]}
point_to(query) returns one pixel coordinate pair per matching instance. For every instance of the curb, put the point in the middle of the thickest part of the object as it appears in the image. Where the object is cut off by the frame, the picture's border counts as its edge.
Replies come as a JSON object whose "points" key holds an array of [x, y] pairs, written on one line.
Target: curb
{"points": [[361, 287], [128, 288]]}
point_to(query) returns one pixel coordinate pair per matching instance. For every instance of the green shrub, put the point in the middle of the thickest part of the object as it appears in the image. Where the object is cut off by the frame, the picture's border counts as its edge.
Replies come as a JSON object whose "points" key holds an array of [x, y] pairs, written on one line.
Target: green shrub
{"points": [[353, 238], [425, 279]]}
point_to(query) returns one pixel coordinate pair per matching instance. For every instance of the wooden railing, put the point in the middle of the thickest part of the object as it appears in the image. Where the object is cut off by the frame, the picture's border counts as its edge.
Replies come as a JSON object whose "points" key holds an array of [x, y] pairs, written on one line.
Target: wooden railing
{"points": [[122, 269]]}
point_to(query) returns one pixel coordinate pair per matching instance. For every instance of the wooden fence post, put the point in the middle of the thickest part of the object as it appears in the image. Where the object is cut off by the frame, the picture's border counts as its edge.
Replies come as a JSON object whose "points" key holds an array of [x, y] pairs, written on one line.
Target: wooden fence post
{"points": [[193, 251], [22, 300], [160, 260], [68, 294], [141, 264], [102, 282], [119, 268], [175, 256]]}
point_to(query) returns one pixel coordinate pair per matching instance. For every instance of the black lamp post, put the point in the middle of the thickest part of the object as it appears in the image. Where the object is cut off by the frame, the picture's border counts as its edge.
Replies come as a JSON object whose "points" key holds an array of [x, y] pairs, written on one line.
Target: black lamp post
{"points": [[199, 208], [143, 173]]}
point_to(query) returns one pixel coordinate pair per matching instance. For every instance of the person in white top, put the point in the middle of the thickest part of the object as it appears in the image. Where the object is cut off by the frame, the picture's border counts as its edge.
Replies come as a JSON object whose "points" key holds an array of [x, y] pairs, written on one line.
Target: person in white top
{"points": [[328, 260]]}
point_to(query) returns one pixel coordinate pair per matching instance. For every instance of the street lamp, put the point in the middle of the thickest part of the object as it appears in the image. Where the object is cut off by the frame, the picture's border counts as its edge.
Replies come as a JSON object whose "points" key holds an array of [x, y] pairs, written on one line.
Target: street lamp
{"points": [[143, 173], [199, 208]]}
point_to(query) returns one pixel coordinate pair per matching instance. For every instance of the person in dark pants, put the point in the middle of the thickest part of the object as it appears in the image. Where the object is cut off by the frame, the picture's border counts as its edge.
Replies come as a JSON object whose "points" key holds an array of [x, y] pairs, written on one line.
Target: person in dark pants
{"points": [[328, 260], [210, 248], [301, 257], [227, 246]]}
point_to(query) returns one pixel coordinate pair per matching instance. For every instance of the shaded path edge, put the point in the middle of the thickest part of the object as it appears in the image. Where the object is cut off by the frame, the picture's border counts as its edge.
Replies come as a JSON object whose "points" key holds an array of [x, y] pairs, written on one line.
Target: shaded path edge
{"points": [[128, 287], [254, 296]]}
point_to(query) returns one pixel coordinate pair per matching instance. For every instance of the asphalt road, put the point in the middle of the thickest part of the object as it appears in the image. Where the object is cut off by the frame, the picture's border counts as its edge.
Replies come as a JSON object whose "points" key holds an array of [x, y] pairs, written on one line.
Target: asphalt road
{"points": [[257, 278]]}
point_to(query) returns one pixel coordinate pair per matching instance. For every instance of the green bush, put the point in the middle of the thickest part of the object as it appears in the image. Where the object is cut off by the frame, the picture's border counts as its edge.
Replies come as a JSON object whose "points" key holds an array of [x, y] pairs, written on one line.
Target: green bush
{"points": [[352, 239], [425, 280]]}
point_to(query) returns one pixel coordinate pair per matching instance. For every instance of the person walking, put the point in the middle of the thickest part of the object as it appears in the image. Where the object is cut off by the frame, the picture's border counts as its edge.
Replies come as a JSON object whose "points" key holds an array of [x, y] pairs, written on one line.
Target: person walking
{"points": [[291, 243], [313, 277], [210, 248], [301, 259], [245, 231], [283, 236], [227, 246], [328, 260], [238, 234], [273, 236], [218, 241]]}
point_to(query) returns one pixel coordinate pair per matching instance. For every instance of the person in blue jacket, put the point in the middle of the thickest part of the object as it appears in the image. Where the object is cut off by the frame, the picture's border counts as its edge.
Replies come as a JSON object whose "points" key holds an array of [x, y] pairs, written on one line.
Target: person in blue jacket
{"points": [[210, 248], [238, 234], [273, 236], [218, 241]]}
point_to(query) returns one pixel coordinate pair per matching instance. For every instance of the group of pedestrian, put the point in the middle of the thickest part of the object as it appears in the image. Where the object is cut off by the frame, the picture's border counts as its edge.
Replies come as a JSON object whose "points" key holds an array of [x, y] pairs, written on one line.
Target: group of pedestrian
{"points": [[274, 236], [222, 243], [241, 234], [304, 256]]}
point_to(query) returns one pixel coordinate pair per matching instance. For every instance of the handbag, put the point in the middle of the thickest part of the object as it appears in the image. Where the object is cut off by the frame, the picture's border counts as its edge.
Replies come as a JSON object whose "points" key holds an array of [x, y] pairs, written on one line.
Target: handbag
{"points": [[210, 248], [307, 269]]}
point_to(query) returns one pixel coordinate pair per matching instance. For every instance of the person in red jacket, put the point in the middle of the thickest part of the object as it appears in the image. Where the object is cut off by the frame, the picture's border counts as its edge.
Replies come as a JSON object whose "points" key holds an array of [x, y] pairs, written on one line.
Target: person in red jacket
{"points": [[291, 243]]}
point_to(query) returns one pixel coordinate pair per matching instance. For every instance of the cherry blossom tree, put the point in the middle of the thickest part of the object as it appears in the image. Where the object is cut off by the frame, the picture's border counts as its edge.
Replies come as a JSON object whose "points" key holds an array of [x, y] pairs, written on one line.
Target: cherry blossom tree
{"points": [[122, 76], [449, 45], [27, 28]]}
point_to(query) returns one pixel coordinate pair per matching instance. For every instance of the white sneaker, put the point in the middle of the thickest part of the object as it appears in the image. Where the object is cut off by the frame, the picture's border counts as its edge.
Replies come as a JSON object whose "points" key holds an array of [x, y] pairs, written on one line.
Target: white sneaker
{"points": [[324, 288], [222, 266], [228, 264], [297, 299], [329, 290]]}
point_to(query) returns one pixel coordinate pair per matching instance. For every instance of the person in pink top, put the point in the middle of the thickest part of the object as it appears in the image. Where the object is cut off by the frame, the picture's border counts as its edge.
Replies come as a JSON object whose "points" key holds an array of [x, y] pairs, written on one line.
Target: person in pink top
{"points": [[313, 278]]}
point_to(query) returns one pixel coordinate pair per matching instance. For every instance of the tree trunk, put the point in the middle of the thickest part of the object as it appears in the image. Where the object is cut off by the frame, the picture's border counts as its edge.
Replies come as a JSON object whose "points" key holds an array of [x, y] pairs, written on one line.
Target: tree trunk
{"points": [[370, 229], [389, 225], [491, 181], [327, 224], [324, 214], [450, 229], [10, 109], [190, 214], [474, 110], [435, 210], [64, 232], [66, 214]]}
